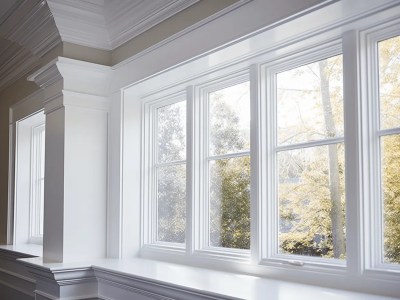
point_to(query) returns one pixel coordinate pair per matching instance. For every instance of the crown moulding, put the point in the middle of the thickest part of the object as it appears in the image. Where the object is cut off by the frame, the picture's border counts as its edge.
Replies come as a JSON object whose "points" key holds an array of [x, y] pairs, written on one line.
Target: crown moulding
{"points": [[27, 33], [108, 24], [131, 21]]}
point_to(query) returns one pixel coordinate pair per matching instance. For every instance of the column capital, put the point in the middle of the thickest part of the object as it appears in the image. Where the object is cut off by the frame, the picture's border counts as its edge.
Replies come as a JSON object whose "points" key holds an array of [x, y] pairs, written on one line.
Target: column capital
{"points": [[75, 75], [64, 79]]}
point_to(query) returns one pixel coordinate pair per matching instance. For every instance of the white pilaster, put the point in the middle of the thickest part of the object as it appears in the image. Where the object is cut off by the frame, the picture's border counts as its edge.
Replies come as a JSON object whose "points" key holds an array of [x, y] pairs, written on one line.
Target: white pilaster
{"points": [[75, 191]]}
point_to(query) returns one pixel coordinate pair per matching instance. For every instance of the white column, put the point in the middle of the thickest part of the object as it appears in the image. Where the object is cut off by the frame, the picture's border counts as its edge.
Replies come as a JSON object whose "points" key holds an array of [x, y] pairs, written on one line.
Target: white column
{"points": [[75, 188]]}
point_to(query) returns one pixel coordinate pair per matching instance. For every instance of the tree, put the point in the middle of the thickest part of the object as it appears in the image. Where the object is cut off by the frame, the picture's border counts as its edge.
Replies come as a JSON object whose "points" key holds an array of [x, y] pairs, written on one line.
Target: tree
{"points": [[336, 215]]}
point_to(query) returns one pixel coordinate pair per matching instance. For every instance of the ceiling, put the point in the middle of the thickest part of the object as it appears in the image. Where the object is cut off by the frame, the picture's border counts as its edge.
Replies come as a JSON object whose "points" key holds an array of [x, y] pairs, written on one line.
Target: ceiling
{"points": [[30, 28]]}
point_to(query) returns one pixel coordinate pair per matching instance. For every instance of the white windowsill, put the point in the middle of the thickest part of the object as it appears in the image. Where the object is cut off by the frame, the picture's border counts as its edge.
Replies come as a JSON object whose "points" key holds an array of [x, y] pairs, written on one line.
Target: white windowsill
{"points": [[205, 281]]}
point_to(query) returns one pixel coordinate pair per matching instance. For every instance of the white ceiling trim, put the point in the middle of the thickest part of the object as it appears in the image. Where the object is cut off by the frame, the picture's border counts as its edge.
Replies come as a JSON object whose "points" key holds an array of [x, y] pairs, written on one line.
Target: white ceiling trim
{"points": [[109, 24], [80, 22], [141, 17]]}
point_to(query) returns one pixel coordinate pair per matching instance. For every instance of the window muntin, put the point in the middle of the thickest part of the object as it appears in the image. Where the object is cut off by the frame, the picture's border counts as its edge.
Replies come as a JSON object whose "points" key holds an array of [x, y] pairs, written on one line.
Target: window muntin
{"points": [[229, 166], [310, 160], [389, 135], [170, 172]]}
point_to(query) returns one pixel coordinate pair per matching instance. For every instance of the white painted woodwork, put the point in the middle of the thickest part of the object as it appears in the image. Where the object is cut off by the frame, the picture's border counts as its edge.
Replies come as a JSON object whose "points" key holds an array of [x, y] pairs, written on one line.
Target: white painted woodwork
{"points": [[76, 159], [16, 283], [147, 279]]}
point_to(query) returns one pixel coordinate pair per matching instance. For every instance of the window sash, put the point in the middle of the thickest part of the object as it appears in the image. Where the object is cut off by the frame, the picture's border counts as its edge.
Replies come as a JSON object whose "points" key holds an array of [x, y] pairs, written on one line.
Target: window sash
{"points": [[151, 165], [205, 246], [269, 238], [378, 232], [37, 178]]}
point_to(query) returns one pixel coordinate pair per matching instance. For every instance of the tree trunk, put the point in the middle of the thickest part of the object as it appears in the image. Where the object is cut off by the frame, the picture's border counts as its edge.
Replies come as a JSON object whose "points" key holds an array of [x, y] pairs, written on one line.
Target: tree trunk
{"points": [[334, 179]]}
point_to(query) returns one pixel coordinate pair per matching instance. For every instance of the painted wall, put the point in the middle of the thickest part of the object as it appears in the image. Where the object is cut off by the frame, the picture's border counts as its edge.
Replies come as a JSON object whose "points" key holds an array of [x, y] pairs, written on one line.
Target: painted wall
{"points": [[169, 27]]}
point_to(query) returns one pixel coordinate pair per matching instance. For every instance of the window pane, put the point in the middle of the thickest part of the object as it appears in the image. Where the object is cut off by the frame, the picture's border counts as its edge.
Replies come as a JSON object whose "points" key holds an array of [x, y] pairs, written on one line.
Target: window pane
{"points": [[171, 203], [229, 119], [391, 197], [312, 201], [389, 81], [171, 132], [230, 203], [310, 102]]}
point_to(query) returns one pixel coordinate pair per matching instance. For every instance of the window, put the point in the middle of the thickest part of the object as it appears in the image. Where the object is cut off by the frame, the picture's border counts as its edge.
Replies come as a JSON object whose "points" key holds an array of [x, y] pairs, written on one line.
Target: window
{"points": [[170, 171], [227, 148], [166, 161], [29, 179], [309, 157], [286, 160], [220, 168]]}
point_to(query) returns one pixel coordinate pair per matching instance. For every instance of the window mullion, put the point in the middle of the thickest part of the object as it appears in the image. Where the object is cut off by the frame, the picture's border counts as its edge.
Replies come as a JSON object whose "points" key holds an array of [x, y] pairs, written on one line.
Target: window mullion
{"points": [[190, 178], [257, 167], [353, 152]]}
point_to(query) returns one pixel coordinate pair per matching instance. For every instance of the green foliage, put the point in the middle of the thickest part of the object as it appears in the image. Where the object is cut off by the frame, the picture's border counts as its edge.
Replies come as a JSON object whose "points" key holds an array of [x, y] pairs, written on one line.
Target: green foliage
{"points": [[230, 203], [391, 195], [305, 202]]}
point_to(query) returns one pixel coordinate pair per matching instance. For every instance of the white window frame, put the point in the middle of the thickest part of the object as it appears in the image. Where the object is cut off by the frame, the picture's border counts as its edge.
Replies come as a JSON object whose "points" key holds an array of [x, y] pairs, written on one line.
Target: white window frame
{"points": [[149, 180], [270, 222], [353, 41], [373, 210], [26, 195], [197, 239]]}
